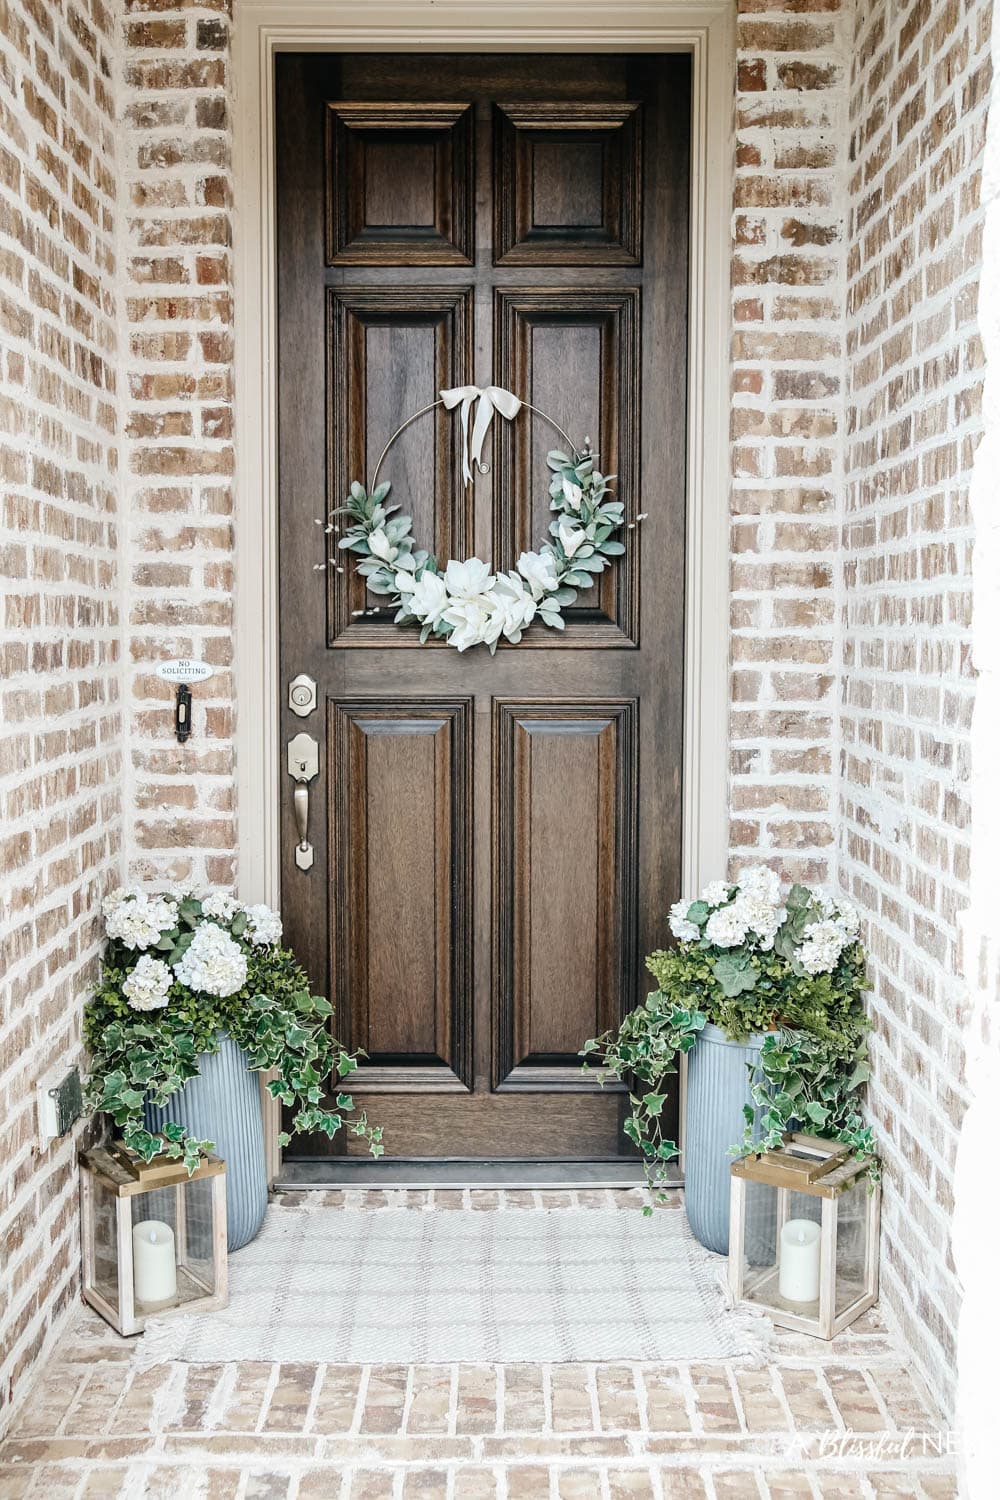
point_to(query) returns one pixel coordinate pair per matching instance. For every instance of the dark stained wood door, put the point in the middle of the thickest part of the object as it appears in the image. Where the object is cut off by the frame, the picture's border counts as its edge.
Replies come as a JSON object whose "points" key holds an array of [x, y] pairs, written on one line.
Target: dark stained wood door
{"points": [[497, 838]]}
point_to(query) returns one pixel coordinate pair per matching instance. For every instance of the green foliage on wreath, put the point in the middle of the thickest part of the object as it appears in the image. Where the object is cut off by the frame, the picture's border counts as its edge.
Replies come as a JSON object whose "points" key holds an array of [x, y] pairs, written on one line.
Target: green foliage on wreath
{"points": [[274, 1017], [580, 546]]}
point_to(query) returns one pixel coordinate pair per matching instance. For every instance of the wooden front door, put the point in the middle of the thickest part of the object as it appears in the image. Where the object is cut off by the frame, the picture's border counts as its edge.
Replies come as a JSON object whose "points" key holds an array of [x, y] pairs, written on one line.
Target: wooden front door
{"points": [[497, 839]]}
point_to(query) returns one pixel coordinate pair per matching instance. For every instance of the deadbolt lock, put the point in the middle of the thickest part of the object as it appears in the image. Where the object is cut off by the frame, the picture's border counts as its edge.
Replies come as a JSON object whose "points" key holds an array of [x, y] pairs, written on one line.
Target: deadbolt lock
{"points": [[302, 695]]}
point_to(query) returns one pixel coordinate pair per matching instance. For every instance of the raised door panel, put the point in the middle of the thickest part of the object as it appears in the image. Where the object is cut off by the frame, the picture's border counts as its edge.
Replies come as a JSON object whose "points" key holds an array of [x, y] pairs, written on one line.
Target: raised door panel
{"points": [[565, 877], [568, 184], [400, 188], [401, 934], [390, 350], [575, 354]]}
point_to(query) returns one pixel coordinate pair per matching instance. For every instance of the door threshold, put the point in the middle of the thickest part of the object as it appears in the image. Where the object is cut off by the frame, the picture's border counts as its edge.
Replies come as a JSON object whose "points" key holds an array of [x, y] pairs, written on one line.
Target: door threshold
{"points": [[359, 1172]]}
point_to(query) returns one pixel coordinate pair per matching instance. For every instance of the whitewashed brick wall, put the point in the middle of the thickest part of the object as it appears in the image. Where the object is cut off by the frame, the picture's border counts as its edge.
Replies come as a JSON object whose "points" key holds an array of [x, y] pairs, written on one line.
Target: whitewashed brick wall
{"points": [[178, 462], [787, 394], [855, 186], [61, 734], [976, 1228], [919, 89]]}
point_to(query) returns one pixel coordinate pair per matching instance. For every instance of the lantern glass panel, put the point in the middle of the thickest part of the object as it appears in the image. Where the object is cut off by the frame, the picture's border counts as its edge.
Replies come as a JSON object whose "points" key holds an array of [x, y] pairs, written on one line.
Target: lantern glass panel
{"points": [[797, 1286], [104, 1228], [187, 1208], [853, 1209]]}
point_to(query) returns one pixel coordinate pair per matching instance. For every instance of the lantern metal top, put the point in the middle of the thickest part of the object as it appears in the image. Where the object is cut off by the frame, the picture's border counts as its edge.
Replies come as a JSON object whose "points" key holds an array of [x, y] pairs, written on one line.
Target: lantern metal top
{"points": [[805, 1164], [127, 1176]]}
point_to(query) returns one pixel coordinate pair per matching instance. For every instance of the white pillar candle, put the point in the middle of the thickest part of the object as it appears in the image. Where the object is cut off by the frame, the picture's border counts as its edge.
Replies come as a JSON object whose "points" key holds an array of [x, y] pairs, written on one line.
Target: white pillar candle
{"points": [[153, 1264], [798, 1269]]}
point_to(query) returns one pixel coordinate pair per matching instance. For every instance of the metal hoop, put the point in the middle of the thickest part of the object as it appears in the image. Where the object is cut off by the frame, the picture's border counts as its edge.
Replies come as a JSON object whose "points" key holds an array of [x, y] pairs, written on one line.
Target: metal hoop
{"points": [[483, 468]]}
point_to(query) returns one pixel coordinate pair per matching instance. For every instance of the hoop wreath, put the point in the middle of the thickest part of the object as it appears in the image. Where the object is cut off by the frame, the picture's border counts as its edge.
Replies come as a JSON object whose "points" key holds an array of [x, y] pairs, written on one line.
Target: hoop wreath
{"points": [[463, 602]]}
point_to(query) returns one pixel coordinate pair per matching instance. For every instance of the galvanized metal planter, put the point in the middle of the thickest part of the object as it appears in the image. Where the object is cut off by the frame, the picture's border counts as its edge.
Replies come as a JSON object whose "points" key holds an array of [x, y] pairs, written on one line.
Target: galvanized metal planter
{"points": [[223, 1105], [717, 1090]]}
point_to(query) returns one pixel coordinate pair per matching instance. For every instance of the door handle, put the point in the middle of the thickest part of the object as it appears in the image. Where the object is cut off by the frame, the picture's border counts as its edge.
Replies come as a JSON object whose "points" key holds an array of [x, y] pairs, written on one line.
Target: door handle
{"points": [[303, 848], [303, 765]]}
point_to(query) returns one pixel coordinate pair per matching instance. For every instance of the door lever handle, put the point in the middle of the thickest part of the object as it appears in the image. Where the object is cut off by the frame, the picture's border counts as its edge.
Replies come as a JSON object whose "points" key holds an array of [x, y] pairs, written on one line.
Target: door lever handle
{"points": [[303, 765], [300, 798]]}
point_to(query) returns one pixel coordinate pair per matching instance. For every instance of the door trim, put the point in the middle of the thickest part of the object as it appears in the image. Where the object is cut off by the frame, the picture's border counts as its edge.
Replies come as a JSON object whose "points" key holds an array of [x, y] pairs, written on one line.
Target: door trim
{"points": [[703, 28]]}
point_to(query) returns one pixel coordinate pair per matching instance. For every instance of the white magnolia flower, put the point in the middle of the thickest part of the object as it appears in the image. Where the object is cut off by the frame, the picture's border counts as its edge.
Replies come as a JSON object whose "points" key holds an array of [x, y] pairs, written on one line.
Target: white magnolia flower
{"points": [[428, 595], [513, 605], [821, 946], [263, 926], [469, 579], [538, 569], [220, 904], [147, 986], [471, 624], [681, 928], [761, 916], [727, 927], [572, 537], [138, 921], [759, 880], [214, 964], [572, 492], [380, 546], [716, 893]]}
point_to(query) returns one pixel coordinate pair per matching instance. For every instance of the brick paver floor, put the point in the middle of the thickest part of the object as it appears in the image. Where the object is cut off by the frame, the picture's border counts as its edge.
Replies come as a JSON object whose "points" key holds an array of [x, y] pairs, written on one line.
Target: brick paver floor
{"points": [[844, 1419]]}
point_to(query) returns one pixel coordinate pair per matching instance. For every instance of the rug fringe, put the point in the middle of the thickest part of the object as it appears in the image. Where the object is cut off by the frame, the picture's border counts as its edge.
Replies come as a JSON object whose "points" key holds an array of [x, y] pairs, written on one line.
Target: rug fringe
{"points": [[744, 1319], [163, 1340]]}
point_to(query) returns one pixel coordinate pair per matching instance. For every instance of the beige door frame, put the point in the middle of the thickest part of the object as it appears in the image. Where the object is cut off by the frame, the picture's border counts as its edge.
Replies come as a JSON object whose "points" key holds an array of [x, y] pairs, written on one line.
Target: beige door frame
{"points": [[703, 28]]}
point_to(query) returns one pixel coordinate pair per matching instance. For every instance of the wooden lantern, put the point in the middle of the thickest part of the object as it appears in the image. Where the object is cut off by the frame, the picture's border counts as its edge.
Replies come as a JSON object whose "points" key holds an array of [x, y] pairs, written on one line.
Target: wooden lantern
{"points": [[153, 1237], [803, 1234]]}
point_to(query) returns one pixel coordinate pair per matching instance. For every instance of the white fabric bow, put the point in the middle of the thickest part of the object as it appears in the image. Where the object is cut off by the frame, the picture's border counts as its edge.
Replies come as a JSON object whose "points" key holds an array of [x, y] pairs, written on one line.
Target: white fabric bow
{"points": [[491, 398]]}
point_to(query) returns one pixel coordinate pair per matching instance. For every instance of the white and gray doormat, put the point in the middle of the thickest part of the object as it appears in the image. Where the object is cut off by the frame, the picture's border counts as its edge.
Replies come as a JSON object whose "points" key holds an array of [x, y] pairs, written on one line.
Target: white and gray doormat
{"points": [[342, 1286]]}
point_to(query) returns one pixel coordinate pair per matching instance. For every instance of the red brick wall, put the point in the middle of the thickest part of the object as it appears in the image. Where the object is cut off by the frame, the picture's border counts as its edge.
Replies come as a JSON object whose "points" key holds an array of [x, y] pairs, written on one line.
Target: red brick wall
{"points": [[60, 741], [919, 89]]}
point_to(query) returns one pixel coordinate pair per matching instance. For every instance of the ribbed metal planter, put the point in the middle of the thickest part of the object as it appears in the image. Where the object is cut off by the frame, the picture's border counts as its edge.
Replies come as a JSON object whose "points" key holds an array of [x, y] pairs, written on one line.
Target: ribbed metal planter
{"points": [[717, 1090], [223, 1105]]}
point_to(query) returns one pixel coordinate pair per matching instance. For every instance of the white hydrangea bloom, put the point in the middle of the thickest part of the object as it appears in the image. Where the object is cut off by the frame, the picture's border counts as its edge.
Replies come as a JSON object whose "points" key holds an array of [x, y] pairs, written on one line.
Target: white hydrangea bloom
{"points": [[821, 946], [138, 922], [147, 986], [838, 909], [115, 898], [163, 910], [214, 964], [220, 904], [264, 925], [761, 916], [759, 880], [848, 917], [681, 928], [716, 893], [726, 927]]}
